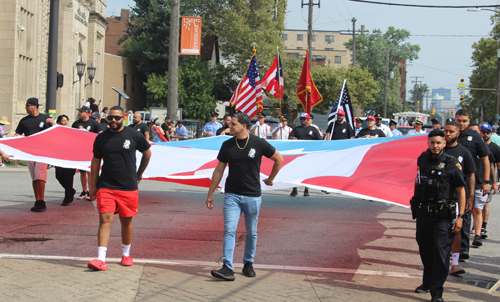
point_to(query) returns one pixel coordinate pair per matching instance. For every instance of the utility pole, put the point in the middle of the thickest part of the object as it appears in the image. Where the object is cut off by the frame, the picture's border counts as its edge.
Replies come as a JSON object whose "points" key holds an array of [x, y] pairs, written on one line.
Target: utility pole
{"points": [[353, 42], [386, 82], [173, 61], [427, 95], [417, 96], [52, 58], [310, 25]]}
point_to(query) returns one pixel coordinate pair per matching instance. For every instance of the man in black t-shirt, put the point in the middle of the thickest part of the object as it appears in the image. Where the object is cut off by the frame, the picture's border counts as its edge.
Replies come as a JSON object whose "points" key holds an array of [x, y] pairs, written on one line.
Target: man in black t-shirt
{"points": [[89, 124], [473, 141], [494, 157], [341, 129], [243, 153], [116, 189], [31, 124], [139, 126], [304, 132], [225, 126], [371, 131], [453, 148]]}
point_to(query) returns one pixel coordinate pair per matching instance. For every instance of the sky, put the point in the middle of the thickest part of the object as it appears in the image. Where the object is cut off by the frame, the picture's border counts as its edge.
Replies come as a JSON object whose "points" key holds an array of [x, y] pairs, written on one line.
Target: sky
{"points": [[445, 35]]}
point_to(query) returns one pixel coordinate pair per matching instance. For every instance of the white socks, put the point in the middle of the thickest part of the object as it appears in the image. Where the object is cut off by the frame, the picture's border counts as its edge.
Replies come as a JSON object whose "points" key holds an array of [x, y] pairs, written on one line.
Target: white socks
{"points": [[126, 250], [101, 253], [455, 257]]}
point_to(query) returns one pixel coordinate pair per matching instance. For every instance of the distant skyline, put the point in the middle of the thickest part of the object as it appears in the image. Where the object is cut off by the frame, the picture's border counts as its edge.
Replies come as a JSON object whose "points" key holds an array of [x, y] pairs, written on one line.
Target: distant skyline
{"points": [[445, 36]]}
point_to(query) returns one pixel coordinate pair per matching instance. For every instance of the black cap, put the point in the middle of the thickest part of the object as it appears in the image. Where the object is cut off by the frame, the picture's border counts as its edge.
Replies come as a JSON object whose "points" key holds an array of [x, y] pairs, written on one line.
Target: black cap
{"points": [[392, 122], [180, 122], [284, 119], [378, 116], [358, 120], [84, 108], [261, 114], [213, 113], [312, 116], [450, 119], [33, 101]]}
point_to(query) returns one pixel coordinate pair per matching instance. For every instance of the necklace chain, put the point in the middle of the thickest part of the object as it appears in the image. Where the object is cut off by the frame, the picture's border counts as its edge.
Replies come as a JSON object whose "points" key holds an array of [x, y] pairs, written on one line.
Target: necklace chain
{"points": [[236, 139]]}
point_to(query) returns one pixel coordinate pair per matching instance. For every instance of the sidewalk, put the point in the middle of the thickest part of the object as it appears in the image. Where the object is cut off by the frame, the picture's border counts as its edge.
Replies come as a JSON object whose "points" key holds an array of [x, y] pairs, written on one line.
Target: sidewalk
{"points": [[70, 280]]}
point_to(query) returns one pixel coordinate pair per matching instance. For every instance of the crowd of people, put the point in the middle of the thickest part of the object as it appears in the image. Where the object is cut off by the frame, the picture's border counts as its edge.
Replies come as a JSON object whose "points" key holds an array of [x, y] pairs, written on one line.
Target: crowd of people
{"points": [[456, 179]]}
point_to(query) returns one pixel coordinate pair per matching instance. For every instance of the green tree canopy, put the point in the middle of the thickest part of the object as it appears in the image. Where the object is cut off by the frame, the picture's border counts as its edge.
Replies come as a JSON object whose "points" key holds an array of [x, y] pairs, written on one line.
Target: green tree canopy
{"points": [[371, 52]]}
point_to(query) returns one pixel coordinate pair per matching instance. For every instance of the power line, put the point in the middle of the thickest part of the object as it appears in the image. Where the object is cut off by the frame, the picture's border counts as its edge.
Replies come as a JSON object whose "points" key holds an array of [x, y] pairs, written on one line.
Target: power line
{"points": [[426, 6], [438, 69], [457, 36]]}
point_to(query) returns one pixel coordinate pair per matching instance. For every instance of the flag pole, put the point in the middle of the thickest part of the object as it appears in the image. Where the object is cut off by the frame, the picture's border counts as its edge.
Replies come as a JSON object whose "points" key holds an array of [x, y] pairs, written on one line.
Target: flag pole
{"points": [[279, 93], [338, 107]]}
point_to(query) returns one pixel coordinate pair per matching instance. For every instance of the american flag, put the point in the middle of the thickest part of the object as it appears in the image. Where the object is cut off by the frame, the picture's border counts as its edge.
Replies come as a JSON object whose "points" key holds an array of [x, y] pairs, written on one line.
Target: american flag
{"points": [[247, 97], [343, 102]]}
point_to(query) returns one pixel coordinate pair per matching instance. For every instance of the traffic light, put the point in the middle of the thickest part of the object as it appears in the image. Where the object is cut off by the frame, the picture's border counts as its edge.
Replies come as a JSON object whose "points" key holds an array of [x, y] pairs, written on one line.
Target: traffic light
{"points": [[433, 111], [452, 112]]}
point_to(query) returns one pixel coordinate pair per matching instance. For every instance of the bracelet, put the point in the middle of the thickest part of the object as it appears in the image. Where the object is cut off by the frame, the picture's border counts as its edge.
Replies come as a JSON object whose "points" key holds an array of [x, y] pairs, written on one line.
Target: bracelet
{"points": [[487, 180]]}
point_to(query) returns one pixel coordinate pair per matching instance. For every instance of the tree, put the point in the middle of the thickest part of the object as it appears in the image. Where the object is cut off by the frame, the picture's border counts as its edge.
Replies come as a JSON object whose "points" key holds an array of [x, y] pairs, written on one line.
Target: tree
{"points": [[195, 89], [417, 97], [371, 52]]}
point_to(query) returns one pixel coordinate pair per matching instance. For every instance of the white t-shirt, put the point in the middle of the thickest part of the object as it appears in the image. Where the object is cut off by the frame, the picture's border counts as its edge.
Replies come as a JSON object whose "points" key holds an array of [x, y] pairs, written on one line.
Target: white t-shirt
{"points": [[263, 131]]}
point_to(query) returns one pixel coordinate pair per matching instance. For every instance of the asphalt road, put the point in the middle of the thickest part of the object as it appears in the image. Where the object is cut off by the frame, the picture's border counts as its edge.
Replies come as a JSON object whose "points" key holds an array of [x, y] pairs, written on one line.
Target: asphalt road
{"points": [[320, 231]]}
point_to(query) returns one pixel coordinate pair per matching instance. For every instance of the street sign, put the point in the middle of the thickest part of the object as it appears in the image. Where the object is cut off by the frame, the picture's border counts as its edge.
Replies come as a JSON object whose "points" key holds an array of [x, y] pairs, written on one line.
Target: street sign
{"points": [[461, 89]]}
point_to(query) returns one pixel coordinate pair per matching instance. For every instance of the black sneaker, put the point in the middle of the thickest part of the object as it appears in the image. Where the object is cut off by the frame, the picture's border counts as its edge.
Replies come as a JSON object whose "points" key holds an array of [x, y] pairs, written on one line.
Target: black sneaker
{"points": [[463, 256], [224, 273], [306, 192], [39, 206], [326, 192], [248, 270], [82, 196], [421, 289], [294, 192], [484, 233], [477, 241]]}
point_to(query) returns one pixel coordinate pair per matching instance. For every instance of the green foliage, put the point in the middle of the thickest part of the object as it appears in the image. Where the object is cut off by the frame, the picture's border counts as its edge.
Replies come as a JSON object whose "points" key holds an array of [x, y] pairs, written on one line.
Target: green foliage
{"points": [[371, 53], [418, 94], [241, 23], [196, 87]]}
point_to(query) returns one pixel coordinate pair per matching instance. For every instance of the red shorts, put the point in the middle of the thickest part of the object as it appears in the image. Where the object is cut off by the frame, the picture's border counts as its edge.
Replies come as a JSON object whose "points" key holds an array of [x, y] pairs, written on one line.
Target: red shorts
{"points": [[124, 203]]}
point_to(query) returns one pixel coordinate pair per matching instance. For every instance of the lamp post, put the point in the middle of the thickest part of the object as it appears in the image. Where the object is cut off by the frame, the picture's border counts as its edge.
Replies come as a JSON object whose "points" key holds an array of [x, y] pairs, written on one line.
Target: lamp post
{"points": [[497, 107], [80, 70], [91, 71]]}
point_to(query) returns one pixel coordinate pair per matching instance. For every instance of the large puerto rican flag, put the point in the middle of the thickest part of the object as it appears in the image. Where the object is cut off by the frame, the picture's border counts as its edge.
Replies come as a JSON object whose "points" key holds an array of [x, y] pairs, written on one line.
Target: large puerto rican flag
{"points": [[381, 169]]}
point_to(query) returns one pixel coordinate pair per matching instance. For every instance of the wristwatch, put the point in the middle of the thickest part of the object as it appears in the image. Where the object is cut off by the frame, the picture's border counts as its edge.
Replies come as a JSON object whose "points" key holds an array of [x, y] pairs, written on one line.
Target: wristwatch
{"points": [[461, 215]]}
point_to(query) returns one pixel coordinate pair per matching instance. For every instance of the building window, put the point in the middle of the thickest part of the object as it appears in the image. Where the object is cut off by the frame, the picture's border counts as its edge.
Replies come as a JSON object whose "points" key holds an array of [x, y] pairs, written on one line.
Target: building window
{"points": [[329, 49], [314, 37], [328, 38], [284, 37], [125, 80], [299, 48], [286, 47], [338, 59], [300, 37], [293, 54]]}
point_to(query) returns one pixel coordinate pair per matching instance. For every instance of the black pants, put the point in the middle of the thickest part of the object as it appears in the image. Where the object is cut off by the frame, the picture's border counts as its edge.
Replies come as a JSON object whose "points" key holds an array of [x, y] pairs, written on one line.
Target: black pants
{"points": [[434, 238], [465, 232], [65, 177]]}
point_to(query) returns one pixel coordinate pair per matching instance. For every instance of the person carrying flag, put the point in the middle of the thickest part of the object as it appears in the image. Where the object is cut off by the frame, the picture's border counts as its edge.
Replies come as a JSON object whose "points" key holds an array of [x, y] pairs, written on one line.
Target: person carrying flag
{"points": [[282, 131], [341, 130]]}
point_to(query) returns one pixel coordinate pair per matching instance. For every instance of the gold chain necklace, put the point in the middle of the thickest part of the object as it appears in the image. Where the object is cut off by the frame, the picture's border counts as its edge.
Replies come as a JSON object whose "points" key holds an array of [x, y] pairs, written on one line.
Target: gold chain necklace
{"points": [[236, 140]]}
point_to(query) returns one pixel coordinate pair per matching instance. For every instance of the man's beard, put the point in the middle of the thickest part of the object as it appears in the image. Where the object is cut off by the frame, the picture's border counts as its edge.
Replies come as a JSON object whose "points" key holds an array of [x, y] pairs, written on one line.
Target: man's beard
{"points": [[451, 141]]}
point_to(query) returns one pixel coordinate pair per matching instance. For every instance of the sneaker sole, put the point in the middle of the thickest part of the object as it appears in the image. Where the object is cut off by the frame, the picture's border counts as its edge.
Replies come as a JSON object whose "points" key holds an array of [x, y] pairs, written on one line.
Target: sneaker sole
{"points": [[249, 276], [38, 210], [223, 277], [458, 273]]}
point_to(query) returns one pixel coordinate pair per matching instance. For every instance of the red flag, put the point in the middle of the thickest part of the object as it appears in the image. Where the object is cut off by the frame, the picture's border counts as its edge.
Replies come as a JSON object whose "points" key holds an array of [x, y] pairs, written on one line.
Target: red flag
{"points": [[247, 97], [273, 80], [307, 93]]}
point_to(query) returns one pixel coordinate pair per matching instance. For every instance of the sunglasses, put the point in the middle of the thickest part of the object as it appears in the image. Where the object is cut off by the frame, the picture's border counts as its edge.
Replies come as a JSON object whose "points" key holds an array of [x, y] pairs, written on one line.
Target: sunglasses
{"points": [[114, 117], [485, 132], [303, 119]]}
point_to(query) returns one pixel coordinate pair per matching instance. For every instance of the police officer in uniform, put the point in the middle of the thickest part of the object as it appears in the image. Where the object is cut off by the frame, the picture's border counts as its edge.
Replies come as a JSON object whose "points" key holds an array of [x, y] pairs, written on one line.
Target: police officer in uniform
{"points": [[438, 186], [211, 127]]}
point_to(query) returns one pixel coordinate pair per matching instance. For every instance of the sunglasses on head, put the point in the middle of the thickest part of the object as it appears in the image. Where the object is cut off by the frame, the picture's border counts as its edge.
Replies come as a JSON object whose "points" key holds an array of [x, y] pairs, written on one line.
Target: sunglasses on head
{"points": [[114, 117]]}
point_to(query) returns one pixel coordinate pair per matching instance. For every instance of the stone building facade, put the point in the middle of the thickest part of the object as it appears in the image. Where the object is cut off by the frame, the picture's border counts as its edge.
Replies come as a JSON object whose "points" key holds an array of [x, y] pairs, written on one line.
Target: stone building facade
{"points": [[24, 29]]}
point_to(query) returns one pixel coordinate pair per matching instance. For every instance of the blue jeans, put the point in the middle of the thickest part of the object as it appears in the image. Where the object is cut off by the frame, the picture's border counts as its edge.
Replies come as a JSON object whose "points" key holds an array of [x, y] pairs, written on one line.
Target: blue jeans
{"points": [[233, 206]]}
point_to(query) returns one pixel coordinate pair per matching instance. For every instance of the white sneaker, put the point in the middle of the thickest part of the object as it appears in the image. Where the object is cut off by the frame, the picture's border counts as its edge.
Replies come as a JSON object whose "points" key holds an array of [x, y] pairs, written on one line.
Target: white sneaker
{"points": [[17, 166], [3, 165], [222, 191]]}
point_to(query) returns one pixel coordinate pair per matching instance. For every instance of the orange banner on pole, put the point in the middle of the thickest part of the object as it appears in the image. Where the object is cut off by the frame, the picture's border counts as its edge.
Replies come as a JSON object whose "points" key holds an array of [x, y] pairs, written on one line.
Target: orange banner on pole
{"points": [[191, 36]]}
